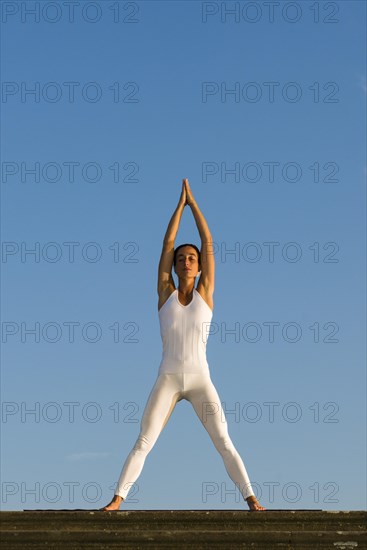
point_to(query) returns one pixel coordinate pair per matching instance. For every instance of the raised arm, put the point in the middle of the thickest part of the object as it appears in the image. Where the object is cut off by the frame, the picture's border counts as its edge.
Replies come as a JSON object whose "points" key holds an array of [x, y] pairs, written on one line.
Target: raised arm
{"points": [[166, 283], [206, 279]]}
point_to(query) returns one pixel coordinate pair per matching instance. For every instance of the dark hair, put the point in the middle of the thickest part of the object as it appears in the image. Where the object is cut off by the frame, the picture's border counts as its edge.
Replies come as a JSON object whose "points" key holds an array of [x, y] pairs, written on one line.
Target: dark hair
{"points": [[180, 246]]}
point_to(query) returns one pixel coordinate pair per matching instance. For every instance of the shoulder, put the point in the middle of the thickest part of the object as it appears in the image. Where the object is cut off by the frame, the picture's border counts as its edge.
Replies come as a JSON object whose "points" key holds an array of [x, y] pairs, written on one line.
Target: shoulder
{"points": [[165, 293], [206, 295]]}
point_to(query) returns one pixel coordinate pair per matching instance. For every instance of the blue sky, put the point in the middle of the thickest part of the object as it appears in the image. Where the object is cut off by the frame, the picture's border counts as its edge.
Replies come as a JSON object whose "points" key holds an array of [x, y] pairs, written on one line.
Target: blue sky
{"points": [[278, 166]]}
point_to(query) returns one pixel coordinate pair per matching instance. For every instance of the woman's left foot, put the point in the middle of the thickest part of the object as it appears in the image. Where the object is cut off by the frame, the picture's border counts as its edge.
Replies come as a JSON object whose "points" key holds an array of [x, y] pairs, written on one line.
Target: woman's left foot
{"points": [[254, 505], [113, 505]]}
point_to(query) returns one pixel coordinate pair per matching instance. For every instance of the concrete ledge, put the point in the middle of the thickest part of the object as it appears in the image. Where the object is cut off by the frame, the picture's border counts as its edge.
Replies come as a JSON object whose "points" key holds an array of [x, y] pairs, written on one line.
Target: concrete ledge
{"points": [[93, 529]]}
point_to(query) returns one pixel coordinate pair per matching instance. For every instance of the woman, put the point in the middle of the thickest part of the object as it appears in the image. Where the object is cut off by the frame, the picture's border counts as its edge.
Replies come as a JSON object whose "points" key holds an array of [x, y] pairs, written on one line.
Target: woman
{"points": [[184, 314]]}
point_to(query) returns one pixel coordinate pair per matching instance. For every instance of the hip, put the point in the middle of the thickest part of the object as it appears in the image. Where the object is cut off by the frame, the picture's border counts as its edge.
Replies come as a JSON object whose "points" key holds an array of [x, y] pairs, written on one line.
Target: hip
{"points": [[177, 367]]}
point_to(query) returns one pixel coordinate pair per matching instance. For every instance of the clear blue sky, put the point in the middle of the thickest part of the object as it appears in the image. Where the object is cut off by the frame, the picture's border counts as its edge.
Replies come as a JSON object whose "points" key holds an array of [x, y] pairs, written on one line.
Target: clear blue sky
{"points": [[294, 130]]}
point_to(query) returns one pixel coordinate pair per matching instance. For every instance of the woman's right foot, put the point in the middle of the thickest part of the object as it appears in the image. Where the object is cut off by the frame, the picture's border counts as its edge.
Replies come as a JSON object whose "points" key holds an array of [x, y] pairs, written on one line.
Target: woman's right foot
{"points": [[254, 504], [113, 505]]}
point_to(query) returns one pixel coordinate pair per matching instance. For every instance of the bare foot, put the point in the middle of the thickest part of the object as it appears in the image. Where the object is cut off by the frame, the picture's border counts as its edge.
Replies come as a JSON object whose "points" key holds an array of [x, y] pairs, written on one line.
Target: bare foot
{"points": [[254, 505], [113, 505]]}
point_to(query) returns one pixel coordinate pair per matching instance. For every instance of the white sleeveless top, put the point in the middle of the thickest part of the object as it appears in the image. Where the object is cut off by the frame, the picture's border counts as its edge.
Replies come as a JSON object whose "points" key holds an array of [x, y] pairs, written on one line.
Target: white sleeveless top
{"points": [[184, 332]]}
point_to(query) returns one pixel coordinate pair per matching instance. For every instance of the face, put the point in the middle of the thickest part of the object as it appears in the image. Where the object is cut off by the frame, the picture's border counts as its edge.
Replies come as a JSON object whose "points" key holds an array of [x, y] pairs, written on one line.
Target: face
{"points": [[187, 265]]}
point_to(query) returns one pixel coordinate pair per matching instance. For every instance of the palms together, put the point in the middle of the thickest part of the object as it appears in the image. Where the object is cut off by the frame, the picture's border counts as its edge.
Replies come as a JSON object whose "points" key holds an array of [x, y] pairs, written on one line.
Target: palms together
{"points": [[186, 192]]}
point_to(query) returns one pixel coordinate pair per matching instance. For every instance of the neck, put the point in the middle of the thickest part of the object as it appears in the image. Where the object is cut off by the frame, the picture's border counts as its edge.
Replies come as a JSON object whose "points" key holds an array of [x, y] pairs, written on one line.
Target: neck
{"points": [[186, 287]]}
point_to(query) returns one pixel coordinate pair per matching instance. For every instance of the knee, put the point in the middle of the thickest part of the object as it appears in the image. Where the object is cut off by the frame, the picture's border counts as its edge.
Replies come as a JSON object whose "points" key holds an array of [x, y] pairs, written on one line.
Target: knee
{"points": [[143, 444], [224, 444]]}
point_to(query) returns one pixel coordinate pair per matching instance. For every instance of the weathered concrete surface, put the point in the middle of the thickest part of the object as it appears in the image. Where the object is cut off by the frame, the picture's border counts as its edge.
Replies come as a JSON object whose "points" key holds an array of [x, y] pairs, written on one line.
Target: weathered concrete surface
{"points": [[196, 529]]}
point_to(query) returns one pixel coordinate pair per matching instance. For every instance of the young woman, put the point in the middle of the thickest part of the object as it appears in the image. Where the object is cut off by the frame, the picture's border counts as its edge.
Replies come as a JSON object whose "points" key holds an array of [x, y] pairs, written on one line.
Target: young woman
{"points": [[184, 314]]}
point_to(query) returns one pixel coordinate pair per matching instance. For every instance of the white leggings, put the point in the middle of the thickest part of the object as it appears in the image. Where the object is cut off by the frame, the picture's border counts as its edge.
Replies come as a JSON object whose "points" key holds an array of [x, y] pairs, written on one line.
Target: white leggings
{"points": [[169, 388]]}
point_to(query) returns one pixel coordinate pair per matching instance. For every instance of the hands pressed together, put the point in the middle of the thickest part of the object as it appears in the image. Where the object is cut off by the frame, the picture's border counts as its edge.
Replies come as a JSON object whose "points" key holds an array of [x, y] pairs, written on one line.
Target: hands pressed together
{"points": [[186, 197]]}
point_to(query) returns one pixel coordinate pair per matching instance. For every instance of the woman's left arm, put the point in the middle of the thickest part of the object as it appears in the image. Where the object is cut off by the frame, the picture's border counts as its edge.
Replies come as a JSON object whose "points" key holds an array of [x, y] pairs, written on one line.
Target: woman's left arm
{"points": [[206, 252]]}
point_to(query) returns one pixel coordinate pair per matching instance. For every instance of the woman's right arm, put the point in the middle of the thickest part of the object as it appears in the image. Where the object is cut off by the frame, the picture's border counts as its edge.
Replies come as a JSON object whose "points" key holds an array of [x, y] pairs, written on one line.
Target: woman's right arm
{"points": [[166, 283]]}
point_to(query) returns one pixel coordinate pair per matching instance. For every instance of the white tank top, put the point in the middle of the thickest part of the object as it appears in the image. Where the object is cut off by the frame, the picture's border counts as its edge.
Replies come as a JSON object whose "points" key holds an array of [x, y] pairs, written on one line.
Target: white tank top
{"points": [[184, 332]]}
